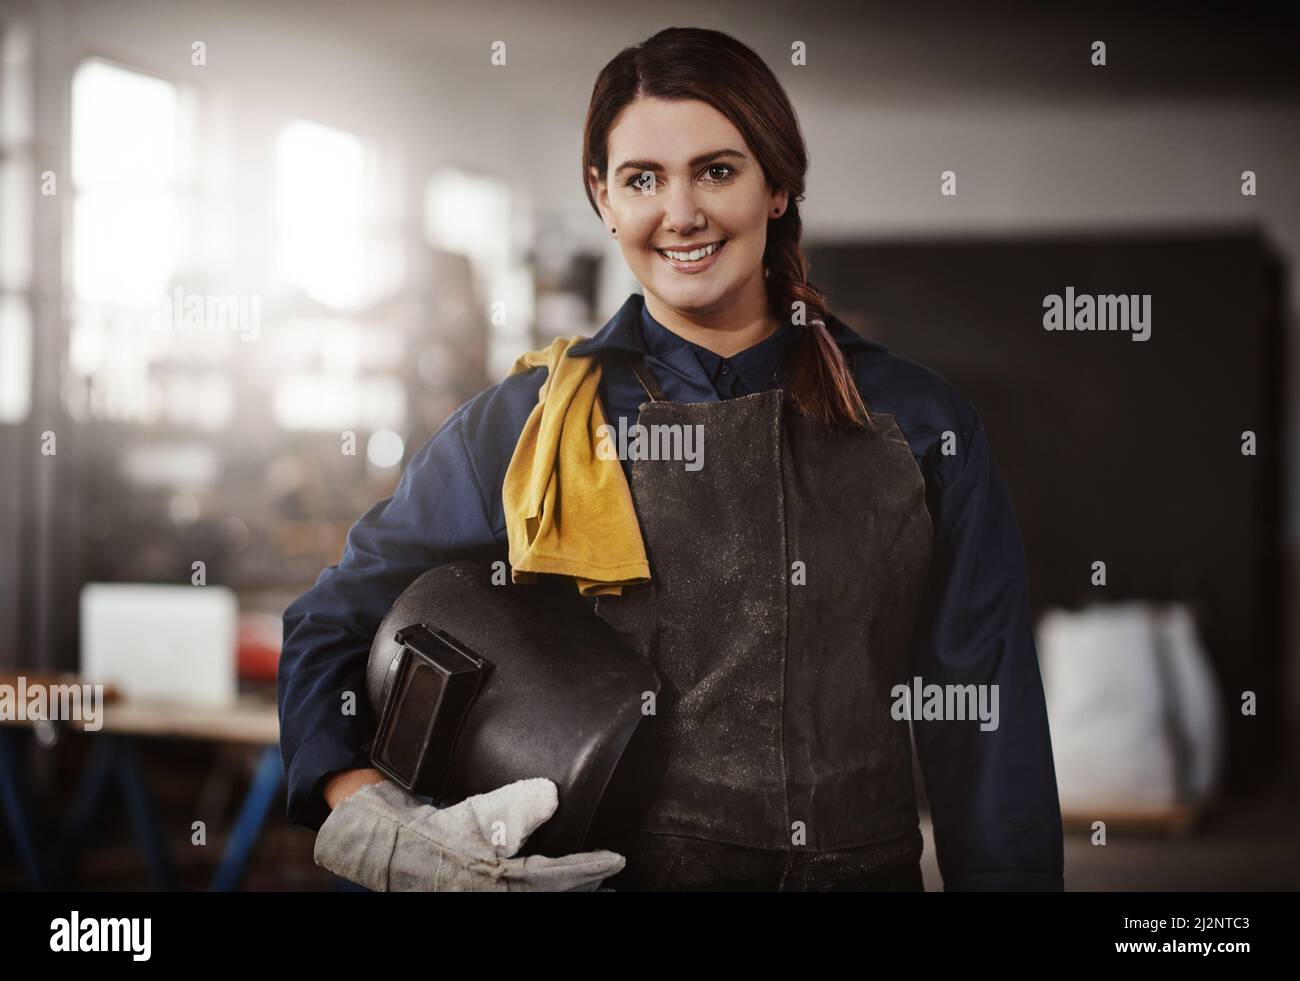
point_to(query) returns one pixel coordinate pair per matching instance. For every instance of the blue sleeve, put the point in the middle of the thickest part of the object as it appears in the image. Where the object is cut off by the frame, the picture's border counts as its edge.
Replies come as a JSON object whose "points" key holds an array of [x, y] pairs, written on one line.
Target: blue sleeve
{"points": [[992, 794], [447, 506]]}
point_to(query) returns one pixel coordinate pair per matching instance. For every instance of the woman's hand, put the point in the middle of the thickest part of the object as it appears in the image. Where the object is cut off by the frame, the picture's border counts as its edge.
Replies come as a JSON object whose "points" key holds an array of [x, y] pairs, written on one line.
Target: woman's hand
{"points": [[345, 783]]}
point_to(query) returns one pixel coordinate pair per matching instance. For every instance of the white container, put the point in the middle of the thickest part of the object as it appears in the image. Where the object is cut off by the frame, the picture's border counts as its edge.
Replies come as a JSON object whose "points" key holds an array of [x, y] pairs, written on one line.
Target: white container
{"points": [[172, 643]]}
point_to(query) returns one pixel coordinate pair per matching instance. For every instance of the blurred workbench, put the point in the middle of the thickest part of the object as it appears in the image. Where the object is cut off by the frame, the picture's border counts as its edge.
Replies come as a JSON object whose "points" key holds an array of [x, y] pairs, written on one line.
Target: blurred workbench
{"points": [[250, 721]]}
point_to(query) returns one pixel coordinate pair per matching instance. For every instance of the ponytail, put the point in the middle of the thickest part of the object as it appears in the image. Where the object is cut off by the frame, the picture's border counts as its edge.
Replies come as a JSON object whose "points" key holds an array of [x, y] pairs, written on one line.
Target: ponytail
{"points": [[818, 382]]}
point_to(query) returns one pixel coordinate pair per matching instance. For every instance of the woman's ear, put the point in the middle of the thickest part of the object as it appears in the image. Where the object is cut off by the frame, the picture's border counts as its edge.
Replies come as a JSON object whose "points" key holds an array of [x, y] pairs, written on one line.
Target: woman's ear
{"points": [[600, 193], [779, 201]]}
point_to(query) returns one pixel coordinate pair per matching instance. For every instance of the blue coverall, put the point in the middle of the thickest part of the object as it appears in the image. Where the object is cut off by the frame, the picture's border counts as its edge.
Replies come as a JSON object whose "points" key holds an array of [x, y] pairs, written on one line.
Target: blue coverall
{"points": [[993, 799]]}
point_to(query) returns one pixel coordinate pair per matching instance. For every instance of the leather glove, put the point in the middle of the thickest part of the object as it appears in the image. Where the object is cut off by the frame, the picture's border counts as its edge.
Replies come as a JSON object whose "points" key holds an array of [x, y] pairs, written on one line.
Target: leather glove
{"points": [[388, 841]]}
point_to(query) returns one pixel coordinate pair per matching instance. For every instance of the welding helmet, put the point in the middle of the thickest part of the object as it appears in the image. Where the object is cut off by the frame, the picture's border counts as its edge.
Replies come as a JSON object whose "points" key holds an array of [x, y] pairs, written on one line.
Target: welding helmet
{"points": [[477, 682]]}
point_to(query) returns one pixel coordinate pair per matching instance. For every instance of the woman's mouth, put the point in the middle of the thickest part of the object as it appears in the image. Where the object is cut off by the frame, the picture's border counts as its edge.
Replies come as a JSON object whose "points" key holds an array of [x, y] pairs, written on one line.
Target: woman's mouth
{"points": [[692, 260]]}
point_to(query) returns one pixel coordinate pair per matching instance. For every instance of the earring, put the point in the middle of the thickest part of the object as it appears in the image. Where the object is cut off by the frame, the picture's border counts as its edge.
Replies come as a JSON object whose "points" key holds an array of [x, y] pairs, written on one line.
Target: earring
{"points": [[613, 231]]}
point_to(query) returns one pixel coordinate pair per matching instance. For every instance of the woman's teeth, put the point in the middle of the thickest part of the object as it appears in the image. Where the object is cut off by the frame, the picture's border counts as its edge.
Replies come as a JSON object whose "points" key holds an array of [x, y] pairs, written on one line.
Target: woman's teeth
{"points": [[693, 255]]}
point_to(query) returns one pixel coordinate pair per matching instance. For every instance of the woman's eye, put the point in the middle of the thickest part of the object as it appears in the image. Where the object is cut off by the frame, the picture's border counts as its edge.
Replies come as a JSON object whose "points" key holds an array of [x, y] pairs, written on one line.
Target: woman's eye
{"points": [[646, 181]]}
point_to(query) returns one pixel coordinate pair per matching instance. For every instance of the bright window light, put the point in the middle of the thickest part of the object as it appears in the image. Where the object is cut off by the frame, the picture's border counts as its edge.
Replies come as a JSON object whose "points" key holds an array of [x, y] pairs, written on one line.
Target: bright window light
{"points": [[319, 209], [15, 359], [16, 191], [335, 401], [470, 214], [124, 168]]}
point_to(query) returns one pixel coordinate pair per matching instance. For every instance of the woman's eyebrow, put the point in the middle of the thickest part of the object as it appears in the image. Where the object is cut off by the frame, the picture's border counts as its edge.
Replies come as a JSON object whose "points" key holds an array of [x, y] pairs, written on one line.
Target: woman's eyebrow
{"points": [[694, 161]]}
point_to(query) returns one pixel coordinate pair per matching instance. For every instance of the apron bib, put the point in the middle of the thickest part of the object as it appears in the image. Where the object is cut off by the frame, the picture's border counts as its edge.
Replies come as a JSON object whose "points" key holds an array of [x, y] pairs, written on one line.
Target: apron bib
{"points": [[788, 575]]}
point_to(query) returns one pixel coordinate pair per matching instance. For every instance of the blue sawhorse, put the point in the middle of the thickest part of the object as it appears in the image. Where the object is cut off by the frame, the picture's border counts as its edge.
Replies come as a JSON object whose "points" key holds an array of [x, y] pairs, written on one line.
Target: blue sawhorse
{"points": [[17, 803], [262, 793], [113, 759]]}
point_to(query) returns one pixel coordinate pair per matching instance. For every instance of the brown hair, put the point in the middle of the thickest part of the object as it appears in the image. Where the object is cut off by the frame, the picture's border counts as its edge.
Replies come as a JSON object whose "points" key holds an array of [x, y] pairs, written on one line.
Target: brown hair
{"points": [[682, 63]]}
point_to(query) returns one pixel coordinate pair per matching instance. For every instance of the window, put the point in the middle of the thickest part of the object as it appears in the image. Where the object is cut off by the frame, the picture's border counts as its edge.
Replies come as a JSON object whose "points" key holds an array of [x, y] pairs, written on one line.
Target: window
{"points": [[471, 214], [319, 192], [158, 317], [339, 247], [17, 189], [135, 218]]}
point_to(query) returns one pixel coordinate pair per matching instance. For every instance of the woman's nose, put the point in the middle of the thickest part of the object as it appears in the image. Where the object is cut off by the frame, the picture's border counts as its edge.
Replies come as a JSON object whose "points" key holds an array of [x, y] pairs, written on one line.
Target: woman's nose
{"points": [[682, 212]]}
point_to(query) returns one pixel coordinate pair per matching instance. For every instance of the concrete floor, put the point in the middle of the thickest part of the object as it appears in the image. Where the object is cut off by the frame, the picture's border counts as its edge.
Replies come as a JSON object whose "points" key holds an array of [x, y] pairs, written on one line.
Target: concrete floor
{"points": [[1249, 844], [1244, 846]]}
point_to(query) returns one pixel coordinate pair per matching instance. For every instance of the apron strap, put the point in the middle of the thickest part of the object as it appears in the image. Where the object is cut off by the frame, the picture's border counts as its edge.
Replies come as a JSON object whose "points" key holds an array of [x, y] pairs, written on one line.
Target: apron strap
{"points": [[636, 362]]}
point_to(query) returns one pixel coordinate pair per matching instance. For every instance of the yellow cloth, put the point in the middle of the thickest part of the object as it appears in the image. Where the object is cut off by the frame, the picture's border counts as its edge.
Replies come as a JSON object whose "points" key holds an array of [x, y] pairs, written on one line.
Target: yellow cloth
{"points": [[568, 512]]}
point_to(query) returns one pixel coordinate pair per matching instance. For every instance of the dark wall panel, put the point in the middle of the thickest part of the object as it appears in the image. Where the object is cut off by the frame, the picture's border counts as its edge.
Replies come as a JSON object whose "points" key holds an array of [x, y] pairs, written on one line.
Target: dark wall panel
{"points": [[1115, 449]]}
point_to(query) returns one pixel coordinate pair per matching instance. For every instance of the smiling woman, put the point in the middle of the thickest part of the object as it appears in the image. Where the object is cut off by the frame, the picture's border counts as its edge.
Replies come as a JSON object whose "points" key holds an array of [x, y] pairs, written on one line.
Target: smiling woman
{"points": [[783, 588], [694, 160]]}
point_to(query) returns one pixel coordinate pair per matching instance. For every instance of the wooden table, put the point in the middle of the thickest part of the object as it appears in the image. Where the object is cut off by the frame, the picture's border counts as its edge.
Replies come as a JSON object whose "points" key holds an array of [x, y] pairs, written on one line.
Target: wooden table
{"points": [[249, 721]]}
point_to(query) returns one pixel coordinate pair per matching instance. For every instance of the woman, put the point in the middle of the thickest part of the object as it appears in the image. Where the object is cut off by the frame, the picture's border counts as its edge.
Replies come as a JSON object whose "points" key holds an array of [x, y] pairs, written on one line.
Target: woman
{"points": [[822, 558]]}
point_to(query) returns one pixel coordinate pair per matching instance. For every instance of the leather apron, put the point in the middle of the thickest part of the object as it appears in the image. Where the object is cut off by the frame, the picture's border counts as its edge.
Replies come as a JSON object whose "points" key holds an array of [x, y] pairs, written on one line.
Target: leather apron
{"points": [[788, 576]]}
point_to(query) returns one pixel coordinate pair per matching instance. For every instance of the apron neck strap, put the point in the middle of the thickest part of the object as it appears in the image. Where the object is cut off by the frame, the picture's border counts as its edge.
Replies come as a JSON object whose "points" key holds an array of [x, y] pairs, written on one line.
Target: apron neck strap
{"points": [[636, 361]]}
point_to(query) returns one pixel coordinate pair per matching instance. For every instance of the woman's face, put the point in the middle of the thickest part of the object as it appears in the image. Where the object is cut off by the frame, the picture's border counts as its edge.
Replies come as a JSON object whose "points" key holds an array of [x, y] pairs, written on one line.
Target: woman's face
{"points": [[680, 175]]}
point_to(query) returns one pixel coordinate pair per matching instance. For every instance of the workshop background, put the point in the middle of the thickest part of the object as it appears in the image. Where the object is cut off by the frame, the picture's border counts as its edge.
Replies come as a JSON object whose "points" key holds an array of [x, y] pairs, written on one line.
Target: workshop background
{"points": [[360, 189]]}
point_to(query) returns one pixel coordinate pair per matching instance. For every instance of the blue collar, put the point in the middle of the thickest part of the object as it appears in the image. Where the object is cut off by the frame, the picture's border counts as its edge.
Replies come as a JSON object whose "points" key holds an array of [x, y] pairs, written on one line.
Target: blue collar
{"points": [[623, 333], [755, 368]]}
